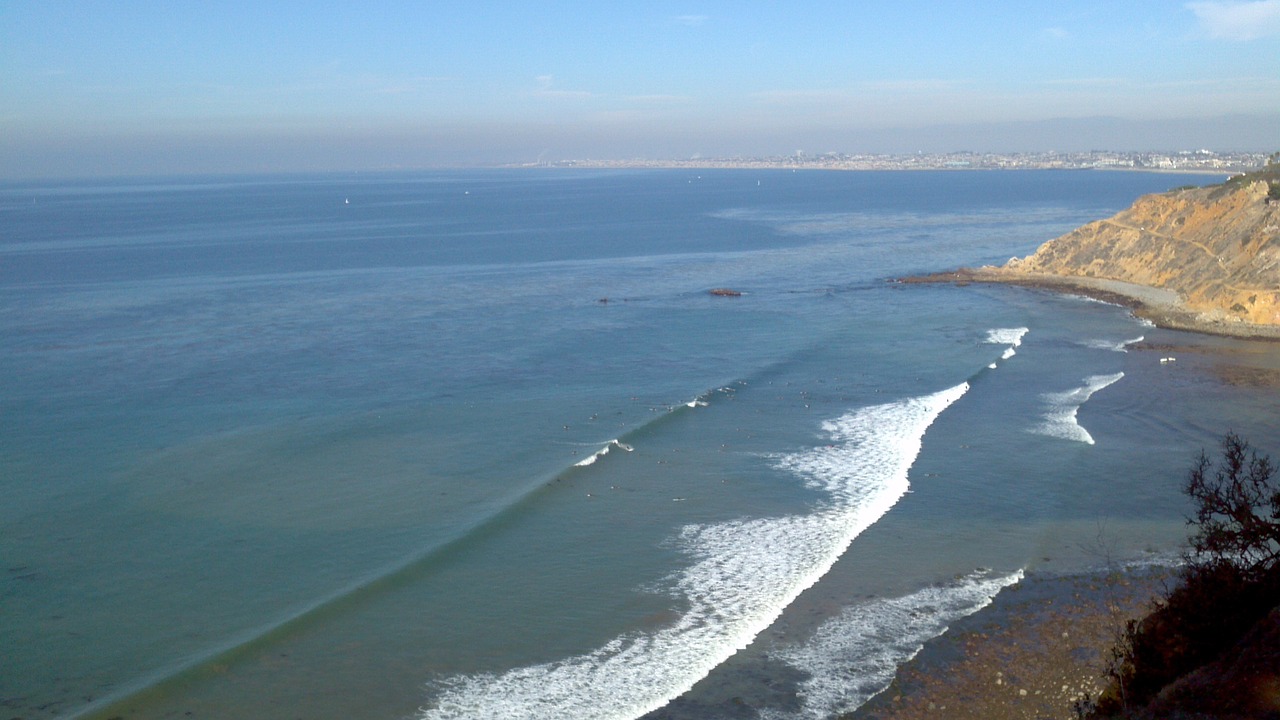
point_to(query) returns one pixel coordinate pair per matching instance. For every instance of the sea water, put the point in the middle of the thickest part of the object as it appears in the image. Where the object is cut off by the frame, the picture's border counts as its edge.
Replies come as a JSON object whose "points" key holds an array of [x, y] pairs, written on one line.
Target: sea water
{"points": [[482, 444]]}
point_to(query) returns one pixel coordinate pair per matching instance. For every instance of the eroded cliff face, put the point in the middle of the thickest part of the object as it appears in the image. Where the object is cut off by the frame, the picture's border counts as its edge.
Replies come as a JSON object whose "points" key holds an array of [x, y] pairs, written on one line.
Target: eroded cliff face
{"points": [[1217, 247]]}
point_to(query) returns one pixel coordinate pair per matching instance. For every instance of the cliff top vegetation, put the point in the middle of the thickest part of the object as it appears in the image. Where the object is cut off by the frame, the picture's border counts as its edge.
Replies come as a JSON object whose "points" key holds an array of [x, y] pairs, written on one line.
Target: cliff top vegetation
{"points": [[1211, 647]]}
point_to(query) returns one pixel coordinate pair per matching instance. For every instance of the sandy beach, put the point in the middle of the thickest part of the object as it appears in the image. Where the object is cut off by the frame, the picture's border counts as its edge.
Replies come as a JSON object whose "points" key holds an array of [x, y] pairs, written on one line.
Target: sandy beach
{"points": [[1160, 306]]}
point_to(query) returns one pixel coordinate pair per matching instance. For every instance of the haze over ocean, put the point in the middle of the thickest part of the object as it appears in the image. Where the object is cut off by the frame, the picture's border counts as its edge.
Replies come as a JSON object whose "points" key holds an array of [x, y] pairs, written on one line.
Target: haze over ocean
{"points": [[114, 89], [318, 445]]}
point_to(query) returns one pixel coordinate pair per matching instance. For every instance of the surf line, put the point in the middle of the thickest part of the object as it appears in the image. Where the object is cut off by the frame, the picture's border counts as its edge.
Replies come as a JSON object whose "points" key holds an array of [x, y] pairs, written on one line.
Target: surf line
{"points": [[697, 402], [1060, 419], [614, 443], [1006, 336], [853, 657], [743, 575], [1121, 346], [243, 644]]}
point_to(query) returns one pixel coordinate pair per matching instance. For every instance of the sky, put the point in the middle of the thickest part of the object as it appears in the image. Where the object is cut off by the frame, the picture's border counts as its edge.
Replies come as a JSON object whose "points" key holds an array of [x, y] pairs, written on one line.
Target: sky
{"points": [[177, 86]]}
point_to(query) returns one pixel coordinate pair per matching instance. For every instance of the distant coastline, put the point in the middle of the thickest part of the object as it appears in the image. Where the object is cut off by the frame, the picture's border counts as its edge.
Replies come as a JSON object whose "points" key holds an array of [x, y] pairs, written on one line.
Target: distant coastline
{"points": [[1180, 161]]}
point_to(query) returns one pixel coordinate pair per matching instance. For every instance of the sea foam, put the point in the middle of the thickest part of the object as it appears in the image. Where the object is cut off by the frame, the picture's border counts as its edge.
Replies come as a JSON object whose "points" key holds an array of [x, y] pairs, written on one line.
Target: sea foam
{"points": [[1122, 346], [1006, 336], [854, 656], [743, 575], [1059, 420], [590, 459]]}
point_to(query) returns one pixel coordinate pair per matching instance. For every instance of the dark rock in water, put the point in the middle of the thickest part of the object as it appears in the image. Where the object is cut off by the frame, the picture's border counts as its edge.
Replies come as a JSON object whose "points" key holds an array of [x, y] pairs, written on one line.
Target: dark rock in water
{"points": [[724, 292]]}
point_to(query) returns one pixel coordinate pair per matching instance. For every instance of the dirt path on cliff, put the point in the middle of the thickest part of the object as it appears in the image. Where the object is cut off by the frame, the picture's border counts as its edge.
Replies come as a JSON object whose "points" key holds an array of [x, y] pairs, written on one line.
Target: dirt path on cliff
{"points": [[1140, 229], [1220, 282]]}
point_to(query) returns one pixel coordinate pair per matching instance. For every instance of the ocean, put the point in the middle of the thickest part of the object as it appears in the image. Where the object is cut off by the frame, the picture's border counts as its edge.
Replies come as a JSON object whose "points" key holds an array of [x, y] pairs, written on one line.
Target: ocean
{"points": [[482, 444]]}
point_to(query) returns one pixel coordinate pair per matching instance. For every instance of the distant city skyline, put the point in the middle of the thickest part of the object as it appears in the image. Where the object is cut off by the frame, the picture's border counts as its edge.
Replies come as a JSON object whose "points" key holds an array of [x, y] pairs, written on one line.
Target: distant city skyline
{"points": [[91, 88], [1182, 161]]}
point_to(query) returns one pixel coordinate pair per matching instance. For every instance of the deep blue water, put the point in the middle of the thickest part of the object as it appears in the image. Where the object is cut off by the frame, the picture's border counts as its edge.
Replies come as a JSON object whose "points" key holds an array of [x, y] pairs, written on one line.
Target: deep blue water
{"points": [[322, 445]]}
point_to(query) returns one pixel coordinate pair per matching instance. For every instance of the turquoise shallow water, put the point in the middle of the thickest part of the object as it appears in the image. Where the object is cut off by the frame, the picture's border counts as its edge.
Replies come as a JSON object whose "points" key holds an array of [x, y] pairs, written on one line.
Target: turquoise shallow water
{"points": [[322, 446]]}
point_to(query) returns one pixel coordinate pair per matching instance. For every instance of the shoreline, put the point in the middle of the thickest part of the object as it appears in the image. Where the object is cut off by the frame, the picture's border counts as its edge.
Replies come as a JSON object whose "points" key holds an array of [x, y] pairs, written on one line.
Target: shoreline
{"points": [[744, 166], [1040, 646], [1160, 306], [1163, 162]]}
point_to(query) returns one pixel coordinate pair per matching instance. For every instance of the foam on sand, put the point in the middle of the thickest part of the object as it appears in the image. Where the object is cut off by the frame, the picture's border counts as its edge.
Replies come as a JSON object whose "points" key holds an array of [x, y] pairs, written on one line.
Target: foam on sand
{"points": [[1060, 417], [854, 656], [742, 576]]}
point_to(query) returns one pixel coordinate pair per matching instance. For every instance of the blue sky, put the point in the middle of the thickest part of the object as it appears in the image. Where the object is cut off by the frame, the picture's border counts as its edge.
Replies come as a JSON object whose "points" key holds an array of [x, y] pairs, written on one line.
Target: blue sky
{"points": [[128, 87]]}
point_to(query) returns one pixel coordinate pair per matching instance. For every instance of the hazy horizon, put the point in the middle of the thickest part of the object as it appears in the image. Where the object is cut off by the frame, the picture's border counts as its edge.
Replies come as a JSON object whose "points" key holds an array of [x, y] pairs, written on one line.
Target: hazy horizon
{"points": [[94, 90]]}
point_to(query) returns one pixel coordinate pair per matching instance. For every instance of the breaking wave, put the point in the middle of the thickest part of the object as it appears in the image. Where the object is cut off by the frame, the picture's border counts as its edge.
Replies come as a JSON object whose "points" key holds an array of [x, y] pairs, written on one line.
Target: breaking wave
{"points": [[743, 575], [854, 656], [1122, 346], [1006, 336], [1060, 417], [590, 459]]}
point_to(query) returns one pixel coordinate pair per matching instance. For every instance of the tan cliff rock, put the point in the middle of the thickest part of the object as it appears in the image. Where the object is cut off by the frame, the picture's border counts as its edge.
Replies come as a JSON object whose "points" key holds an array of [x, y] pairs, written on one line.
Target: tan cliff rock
{"points": [[1217, 247]]}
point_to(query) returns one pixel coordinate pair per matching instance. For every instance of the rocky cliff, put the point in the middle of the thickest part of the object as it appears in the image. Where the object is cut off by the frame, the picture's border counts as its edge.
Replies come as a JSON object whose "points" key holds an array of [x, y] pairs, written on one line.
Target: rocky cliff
{"points": [[1217, 247]]}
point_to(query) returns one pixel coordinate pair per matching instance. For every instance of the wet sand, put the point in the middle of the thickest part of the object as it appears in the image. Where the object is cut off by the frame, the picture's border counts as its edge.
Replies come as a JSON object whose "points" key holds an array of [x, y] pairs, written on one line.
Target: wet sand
{"points": [[1039, 647]]}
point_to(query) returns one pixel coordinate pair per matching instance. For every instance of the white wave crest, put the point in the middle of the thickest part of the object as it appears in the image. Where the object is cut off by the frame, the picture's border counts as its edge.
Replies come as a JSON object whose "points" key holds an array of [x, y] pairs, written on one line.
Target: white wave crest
{"points": [[1060, 418], [1122, 346], [854, 656], [590, 459], [1006, 336], [744, 575]]}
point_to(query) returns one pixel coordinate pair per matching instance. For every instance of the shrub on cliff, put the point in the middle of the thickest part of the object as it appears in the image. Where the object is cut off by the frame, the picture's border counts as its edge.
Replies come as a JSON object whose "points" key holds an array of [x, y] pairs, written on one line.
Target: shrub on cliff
{"points": [[1229, 585], [1269, 173], [1237, 515]]}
